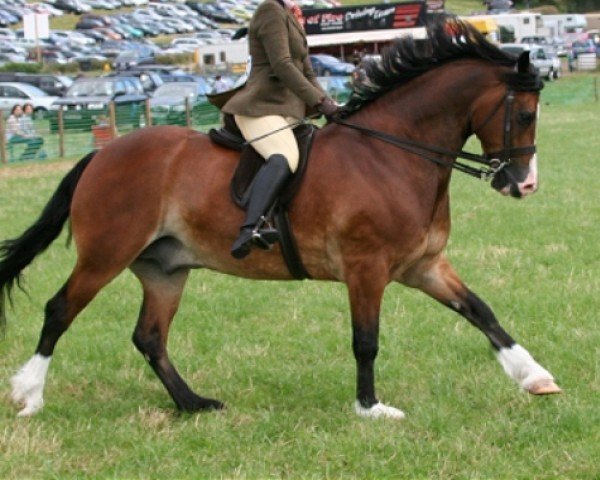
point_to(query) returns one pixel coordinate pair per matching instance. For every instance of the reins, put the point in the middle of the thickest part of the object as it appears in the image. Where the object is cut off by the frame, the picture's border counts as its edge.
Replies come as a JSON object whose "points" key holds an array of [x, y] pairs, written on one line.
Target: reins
{"points": [[494, 161], [423, 150]]}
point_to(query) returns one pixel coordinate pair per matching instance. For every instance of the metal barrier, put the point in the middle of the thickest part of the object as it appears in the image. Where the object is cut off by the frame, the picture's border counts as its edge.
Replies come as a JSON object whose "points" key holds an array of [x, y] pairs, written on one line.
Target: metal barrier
{"points": [[73, 131], [586, 61]]}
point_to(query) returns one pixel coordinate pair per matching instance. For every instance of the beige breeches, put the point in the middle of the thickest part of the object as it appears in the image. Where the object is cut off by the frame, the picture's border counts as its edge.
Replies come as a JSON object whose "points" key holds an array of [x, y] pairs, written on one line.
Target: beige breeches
{"points": [[283, 142]]}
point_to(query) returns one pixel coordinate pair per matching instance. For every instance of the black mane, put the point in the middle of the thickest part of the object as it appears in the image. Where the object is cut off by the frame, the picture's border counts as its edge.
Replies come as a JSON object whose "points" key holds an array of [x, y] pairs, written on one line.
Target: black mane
{"points": [[448, 39]]}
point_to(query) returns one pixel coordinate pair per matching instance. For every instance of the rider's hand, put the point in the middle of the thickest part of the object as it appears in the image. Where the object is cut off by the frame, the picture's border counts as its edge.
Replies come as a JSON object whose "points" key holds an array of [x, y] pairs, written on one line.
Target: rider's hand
{"points": [[328, 107]]}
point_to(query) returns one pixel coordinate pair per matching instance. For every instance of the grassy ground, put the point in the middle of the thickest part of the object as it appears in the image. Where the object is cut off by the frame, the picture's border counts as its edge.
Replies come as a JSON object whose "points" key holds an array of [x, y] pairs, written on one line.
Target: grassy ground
{"points": [[279, 353]]}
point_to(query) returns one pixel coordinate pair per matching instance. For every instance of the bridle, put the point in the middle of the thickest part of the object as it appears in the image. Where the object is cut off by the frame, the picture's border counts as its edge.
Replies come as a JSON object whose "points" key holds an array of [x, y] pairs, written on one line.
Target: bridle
{"points": [[494, 162]]}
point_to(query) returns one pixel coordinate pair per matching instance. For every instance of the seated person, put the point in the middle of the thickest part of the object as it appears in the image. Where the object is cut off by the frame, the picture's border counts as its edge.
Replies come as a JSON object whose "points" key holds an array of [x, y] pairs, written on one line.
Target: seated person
{"points": [[20, 129]]}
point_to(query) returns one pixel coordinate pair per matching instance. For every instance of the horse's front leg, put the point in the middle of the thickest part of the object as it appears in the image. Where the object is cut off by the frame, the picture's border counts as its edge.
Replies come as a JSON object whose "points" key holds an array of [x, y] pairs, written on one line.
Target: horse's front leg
{"points": [[438, 279], [365, 287]]}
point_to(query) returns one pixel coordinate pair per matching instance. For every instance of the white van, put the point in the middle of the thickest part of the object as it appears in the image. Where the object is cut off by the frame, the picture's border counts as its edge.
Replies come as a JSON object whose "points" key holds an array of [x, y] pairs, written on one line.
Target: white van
{"points": [[521, 24], [548, 66]]}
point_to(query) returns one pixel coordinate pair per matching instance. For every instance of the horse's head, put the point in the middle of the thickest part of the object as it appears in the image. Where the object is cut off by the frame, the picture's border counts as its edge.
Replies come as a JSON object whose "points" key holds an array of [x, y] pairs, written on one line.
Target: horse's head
{"points": [[506, 127]]}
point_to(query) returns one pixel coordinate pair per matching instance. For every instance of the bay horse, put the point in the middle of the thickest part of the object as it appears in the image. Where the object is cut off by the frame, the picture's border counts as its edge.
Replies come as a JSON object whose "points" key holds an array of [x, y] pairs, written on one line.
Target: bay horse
{"points": [[157, 201]]}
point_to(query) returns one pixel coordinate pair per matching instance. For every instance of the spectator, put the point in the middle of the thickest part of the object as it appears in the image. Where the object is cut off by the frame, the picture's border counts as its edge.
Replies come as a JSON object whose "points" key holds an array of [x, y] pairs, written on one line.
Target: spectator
{"points": [[21, 130], [29, 129]]}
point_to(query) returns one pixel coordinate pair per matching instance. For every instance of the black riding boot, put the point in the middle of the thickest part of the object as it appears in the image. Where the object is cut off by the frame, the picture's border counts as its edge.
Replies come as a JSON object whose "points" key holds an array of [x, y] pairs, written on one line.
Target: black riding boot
{"points": [[265, 188]]}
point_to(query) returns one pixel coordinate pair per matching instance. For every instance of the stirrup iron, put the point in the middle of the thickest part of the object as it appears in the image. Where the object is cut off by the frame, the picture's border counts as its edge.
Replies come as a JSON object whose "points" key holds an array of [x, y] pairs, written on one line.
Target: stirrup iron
{"points": [[264, 235]]}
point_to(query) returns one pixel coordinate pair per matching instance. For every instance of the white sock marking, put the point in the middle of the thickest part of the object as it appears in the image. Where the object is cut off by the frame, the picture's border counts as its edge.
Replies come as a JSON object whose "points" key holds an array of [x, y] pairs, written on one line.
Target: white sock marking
{"points": [[379, 410], [520, 366], [28, 384]]}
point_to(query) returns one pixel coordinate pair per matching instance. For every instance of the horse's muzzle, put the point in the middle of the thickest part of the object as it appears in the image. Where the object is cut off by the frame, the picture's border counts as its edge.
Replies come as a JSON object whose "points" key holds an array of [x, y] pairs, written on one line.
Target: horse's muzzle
{"points": [[517, 181]]}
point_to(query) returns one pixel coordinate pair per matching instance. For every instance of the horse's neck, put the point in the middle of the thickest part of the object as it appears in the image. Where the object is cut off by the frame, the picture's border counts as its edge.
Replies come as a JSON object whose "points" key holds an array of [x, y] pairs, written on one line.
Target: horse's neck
{"points": [[433, 108]]}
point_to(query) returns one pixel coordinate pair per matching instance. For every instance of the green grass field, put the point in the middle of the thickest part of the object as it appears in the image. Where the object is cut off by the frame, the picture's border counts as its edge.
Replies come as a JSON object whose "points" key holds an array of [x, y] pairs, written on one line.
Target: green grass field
{"points": [[279, 355]]}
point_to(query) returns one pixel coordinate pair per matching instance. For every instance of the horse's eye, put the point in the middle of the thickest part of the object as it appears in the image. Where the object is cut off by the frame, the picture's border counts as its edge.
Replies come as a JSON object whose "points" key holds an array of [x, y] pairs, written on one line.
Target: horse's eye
{"points": [[525, 118]]}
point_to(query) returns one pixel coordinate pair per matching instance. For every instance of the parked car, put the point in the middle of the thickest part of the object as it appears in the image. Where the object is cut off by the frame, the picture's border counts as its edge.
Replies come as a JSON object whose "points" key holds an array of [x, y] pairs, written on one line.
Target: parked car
{"points": [[337, 87], [584, 46], [72, 6], [187, 43], [93, 34], [44, 8], [161, 69], [150, 80], [100, 4], [548, 67], [55, 85], [89, 23], [132, 58], [71, 36], [550, 44], [50, 56], [13, 53], [325, 65], [535, 40], [11, 58], [212, 12], [7, 34], [168, 104], [16, 93], [88, 100]]}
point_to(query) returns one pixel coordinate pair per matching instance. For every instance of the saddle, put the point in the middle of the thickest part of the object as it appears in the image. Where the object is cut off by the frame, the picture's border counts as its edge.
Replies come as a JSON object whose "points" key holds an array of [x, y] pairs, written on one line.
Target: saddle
{"points": [[229, 136]]}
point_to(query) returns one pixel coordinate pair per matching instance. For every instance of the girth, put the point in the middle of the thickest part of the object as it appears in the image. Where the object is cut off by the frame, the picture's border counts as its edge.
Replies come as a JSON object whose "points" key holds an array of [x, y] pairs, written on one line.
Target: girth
{"points": [[250, 162]]}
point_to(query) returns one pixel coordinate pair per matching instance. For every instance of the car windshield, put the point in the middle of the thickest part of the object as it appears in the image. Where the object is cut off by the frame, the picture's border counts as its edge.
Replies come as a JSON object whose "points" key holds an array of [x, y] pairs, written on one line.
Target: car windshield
{"points": [[32, 91], [91, 88], [175, 90], [328, 59], [66, 81], [128, 55]]}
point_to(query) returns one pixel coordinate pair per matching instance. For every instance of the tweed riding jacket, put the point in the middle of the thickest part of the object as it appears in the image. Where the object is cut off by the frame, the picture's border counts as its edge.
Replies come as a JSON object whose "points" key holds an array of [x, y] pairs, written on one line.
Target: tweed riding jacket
{"points": [[281, 80]]}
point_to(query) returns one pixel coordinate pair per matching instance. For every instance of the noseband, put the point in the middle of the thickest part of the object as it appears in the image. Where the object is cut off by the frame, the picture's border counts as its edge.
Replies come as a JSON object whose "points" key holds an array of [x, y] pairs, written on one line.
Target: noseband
{"points": [[494, 162]]}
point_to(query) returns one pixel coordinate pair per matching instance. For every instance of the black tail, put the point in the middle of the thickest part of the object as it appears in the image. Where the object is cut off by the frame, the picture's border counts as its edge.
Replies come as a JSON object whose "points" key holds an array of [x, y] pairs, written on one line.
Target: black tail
{"points": [[17, 253]]}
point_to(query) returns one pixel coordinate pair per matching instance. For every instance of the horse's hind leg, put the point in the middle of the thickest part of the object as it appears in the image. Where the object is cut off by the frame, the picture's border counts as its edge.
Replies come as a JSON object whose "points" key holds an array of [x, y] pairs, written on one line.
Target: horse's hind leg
{"points": [[439, 280], [162, 293], [78, 291]]}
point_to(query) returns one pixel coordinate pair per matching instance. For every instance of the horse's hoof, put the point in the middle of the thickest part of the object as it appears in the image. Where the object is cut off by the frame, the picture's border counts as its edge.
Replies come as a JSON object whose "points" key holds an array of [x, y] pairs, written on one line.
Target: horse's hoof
{"points": [[30, 409], [544, 387], [379, 410], [213, 405], [200, 404]]}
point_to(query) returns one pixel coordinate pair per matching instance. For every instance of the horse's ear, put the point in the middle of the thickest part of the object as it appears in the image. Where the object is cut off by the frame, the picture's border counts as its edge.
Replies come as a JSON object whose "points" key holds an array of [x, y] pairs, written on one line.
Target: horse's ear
{"points": [[523, 62], [240, 33]]}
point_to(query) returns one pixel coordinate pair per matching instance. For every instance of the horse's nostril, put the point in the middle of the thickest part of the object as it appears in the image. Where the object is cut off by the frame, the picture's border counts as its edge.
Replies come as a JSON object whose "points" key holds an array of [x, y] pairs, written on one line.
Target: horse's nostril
{"points": [[528, 187]]}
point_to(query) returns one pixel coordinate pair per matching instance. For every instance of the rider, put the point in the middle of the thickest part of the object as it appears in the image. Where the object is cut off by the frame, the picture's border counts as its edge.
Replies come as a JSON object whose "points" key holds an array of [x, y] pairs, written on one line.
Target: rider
{"points": [[280, 87]]}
